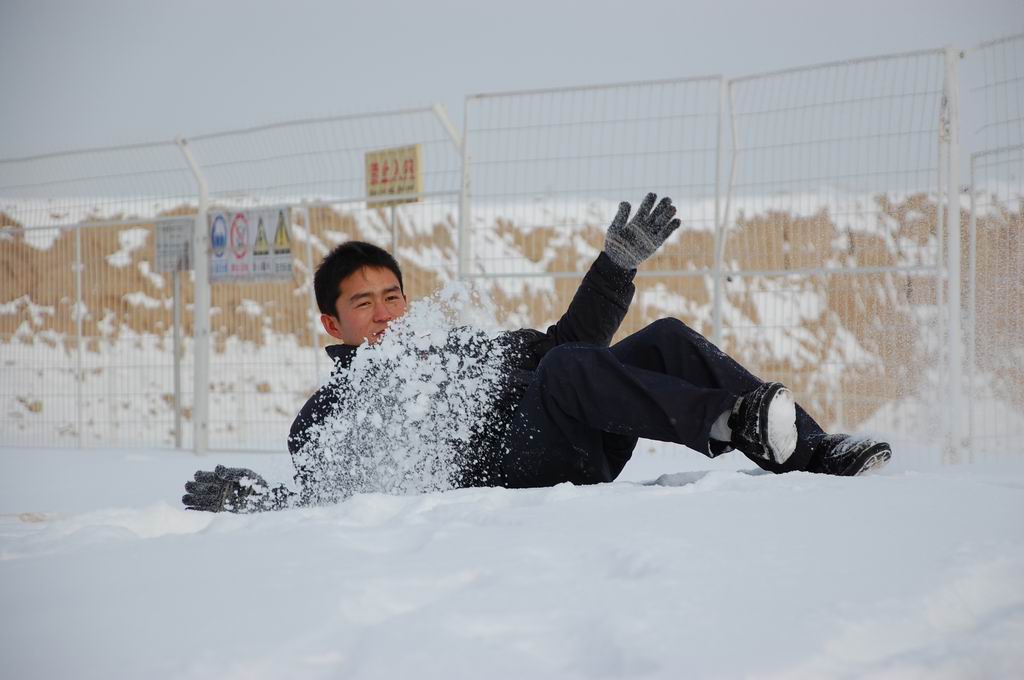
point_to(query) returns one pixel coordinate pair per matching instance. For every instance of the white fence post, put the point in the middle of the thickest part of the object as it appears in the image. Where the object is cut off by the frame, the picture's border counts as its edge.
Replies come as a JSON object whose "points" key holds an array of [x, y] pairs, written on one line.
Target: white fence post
{"points": [[176, 322], [314, 326], [951, 99], [79, 313], [464, 208], [719, 240], [200, 311], [462, 255], [972, 301]]}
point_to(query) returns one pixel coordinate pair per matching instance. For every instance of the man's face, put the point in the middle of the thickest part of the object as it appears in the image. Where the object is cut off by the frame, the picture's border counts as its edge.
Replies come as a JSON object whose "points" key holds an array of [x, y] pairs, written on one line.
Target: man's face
{"points": [[368, 299]]}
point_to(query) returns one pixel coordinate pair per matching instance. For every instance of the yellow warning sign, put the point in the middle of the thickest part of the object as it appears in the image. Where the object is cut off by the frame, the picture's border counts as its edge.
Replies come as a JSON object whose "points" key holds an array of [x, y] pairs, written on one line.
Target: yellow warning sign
{"points": [[393, 172], [262, 246], [282, 242]]}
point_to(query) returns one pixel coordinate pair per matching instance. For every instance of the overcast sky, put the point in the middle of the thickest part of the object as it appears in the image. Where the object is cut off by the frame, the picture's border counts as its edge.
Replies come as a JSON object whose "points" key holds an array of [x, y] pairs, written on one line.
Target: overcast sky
{"points": [[76, 73]]}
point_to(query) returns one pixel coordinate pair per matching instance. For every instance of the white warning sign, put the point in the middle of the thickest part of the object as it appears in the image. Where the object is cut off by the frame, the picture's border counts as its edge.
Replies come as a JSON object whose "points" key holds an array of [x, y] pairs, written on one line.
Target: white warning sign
{"points": [[251, 245], [174, 244]]}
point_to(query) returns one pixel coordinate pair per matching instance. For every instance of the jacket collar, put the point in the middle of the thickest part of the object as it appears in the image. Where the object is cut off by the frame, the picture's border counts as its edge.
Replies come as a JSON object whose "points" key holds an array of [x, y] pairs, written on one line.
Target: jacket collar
{"points": [[341, 354]]}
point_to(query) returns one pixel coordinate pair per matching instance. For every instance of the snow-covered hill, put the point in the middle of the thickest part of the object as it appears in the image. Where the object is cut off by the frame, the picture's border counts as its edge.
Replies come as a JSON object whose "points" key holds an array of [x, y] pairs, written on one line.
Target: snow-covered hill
{"points": [[706, 571]]}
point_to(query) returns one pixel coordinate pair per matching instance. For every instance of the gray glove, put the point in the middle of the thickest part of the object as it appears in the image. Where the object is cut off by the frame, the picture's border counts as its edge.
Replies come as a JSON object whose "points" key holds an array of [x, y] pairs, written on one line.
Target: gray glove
{"points": [[233, 490], [629, 244]]}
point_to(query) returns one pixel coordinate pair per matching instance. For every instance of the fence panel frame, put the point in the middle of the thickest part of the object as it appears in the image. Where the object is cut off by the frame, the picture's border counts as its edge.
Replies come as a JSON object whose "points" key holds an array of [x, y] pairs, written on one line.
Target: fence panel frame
{"points": [[940, 189], [1001, 132]]}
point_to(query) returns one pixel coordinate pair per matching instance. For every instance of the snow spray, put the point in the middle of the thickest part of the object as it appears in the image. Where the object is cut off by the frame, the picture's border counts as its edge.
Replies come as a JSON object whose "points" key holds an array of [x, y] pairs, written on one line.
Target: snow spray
{"points": [[412, 405]]}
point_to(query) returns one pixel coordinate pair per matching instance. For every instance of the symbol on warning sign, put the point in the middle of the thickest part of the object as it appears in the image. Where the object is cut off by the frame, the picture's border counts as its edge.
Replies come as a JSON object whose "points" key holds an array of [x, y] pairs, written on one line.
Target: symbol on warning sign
{"points": [[219, 235], [239, 236], [262, 246], [282, 242]]}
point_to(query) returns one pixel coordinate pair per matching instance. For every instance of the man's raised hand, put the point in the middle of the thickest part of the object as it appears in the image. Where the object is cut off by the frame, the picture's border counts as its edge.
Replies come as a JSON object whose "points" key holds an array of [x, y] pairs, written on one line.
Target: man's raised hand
{"points": [[630, 243]]}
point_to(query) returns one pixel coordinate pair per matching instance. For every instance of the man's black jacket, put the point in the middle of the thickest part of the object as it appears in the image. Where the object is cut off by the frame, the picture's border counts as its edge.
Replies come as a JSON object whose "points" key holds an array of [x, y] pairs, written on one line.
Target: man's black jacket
{"points": [[593, 316]]}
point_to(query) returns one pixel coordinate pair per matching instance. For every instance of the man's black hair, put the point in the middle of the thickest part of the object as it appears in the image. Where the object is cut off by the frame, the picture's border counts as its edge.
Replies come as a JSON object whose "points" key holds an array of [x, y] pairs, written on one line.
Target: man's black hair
{"points": [[344, 260]]}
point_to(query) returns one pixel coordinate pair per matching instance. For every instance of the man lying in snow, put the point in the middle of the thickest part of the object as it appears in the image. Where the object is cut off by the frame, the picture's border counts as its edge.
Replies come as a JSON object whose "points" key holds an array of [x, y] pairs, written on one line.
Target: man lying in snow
{"points": [[570, 408]]}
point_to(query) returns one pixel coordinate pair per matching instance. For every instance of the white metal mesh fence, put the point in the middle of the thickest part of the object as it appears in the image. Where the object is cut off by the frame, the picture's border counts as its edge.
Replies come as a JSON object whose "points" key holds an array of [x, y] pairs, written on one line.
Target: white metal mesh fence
{"points": [[996, 251], [106, 378], [546, 170], [84, 319], [832, 266], [833, 253], [997, 312]]}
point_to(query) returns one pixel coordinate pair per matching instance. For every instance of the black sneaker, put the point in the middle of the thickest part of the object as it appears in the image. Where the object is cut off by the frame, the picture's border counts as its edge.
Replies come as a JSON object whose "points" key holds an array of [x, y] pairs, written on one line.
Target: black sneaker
{"points": [[763, 423], [847, 456]]}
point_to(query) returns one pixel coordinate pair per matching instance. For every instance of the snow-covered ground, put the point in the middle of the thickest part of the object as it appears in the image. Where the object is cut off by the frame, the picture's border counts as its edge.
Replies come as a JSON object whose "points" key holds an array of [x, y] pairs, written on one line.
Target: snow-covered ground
{"points": [[705, 572]]}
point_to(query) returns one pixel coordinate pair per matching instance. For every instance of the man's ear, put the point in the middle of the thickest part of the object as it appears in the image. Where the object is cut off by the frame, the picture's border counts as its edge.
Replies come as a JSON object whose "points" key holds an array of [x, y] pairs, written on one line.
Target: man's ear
{"points": [[330, 325]]}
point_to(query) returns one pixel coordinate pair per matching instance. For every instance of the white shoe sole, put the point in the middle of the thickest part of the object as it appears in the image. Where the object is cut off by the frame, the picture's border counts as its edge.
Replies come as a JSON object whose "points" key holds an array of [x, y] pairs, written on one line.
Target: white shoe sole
{"points": [[874, 463], [782, 426]]}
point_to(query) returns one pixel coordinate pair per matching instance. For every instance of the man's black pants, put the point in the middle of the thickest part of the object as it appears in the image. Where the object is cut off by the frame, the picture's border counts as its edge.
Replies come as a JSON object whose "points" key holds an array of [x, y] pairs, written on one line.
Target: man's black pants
{"points": [[581, 416]]}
